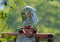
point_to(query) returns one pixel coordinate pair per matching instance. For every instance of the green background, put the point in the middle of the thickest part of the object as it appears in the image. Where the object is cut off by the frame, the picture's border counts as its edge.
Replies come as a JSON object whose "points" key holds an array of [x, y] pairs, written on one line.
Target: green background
{"points": [[48, 13]]}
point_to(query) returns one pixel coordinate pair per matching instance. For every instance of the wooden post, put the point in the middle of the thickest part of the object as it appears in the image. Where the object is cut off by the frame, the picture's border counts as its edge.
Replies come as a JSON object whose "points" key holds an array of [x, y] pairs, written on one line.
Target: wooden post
{"points": [[50, 38]]}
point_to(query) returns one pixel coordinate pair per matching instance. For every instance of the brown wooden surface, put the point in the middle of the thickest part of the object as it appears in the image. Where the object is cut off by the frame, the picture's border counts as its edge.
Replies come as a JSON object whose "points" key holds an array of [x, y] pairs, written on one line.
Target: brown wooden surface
{"points": [[38, 36]]}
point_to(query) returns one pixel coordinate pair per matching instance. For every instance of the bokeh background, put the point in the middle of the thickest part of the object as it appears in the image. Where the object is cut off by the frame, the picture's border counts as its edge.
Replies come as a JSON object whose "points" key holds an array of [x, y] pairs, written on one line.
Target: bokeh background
{"points": [[47, 11]]}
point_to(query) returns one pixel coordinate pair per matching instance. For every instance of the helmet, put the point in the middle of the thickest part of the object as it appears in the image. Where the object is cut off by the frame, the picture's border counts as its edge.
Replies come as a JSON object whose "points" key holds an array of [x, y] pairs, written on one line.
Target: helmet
{"points": [[25, 10], [28, 10]]}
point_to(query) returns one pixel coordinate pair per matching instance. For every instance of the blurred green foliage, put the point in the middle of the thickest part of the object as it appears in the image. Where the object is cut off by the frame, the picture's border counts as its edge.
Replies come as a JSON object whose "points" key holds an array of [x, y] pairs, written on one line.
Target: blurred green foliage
{"points": [[48, 13]]}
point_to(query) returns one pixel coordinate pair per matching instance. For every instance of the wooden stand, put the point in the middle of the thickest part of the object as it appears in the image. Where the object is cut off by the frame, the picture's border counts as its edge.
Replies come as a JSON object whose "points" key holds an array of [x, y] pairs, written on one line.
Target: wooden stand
{"points": [[28, 32]]}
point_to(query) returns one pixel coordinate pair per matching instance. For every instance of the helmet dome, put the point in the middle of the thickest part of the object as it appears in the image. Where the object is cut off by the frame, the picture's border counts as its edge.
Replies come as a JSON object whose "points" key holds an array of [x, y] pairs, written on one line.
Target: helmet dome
{"points": [[28, 9]]}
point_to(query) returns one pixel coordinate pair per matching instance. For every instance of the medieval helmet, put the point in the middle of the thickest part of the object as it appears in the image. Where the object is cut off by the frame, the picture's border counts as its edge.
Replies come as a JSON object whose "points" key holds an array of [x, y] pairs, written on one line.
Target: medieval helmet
{"points": [[25, 10], [24, 13]]}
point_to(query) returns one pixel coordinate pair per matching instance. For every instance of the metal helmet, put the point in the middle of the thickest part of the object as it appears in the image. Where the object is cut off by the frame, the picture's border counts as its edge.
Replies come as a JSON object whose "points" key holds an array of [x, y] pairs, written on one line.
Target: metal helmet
{"points": [[27, 9], [24, 12]]}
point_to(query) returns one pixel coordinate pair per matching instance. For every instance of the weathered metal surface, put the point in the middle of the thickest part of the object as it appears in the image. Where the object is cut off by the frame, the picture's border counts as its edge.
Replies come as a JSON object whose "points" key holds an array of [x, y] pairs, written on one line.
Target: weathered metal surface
{"points": [[24, 38]]}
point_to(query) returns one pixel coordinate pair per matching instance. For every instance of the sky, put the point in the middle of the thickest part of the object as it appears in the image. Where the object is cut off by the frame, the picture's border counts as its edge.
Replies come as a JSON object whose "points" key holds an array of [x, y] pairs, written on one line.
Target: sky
{"points": [[1, 4]]}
